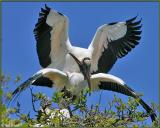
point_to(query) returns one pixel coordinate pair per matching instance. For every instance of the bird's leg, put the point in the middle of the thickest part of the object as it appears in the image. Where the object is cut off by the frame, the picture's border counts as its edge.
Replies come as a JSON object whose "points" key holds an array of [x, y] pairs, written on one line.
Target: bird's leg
{"points": [[64, 103], [66, 100], [70, 111]]}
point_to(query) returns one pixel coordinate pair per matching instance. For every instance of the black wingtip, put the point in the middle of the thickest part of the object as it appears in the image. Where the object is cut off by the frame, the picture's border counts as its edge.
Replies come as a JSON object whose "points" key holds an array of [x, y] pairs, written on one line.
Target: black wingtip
{"points": [[153, 117], [48, 8], [60, 13], [140, 26], [41, 21], [43, 10], [14, 95], [136, 23], [149, 110], [132, 19], [112, 23]]}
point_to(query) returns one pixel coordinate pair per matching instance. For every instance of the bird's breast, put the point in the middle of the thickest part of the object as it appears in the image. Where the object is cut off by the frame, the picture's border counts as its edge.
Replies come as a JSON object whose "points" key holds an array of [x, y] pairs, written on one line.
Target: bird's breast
{"points": [[76, 83]]}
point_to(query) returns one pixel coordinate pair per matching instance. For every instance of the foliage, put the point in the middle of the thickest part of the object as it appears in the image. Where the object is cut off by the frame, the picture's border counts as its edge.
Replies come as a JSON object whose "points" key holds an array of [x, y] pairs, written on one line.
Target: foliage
{"points": [[117, 114]]}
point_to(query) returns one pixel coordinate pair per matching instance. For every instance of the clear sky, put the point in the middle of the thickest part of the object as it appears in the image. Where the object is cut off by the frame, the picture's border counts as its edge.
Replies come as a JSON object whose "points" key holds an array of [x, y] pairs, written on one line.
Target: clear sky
{"points": [[139, 69]]}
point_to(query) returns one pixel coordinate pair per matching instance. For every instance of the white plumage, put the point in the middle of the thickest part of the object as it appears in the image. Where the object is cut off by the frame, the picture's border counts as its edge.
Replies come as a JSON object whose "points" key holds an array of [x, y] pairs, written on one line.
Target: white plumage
{"points": [[75, 82], [110, 42], [97, 78], [72, 68]]}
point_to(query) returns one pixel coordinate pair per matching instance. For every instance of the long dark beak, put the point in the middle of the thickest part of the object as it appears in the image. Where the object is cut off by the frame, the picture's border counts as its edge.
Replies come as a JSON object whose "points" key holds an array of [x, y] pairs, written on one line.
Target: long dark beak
{"points": [[87, 76], [84, 70]]}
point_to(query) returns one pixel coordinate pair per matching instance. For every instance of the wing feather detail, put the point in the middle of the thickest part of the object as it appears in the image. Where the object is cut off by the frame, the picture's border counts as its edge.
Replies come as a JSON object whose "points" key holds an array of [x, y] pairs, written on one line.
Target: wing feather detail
{"points": [[113, 41]]}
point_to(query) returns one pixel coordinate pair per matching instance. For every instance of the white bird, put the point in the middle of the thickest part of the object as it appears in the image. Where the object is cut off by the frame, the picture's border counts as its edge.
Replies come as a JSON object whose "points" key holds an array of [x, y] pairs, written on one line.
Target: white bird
{"points": [[76, 82], [110, 42]]}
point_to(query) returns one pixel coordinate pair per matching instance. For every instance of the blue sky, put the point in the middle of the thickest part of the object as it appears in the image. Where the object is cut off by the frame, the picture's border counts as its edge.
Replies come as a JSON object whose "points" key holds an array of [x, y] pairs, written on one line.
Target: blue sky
{"points": [[139, 69]]}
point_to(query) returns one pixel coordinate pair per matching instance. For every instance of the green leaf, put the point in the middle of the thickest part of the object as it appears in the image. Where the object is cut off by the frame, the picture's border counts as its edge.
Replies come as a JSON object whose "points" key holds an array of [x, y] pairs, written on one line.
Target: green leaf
{"points": [[1, 92], [24, 125]]}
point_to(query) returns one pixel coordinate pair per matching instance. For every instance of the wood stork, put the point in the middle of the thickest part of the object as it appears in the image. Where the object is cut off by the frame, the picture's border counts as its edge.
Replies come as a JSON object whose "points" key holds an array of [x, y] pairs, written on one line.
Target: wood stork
{"points": [[59, 58], [110, 42], [76, 82]]}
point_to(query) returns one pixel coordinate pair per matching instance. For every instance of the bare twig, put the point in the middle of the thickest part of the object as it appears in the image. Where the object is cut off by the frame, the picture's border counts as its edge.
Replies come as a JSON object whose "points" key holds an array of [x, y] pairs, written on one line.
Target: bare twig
{"points": [[33, 100], [100, 96]]}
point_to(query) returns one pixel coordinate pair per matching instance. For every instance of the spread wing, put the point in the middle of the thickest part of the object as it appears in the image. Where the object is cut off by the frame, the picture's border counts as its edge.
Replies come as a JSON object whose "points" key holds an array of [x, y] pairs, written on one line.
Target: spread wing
{"points": [[51, 34], [45, 77], [109, 82], [113, 41]]}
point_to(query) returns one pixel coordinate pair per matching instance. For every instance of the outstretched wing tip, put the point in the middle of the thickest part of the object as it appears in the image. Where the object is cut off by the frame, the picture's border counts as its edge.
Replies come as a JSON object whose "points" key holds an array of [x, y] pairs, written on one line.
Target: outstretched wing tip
{"points": [[48, 8], [120, 46], [42, 17], [24, 86], [14, 96], [133, 18], [134, 23]]}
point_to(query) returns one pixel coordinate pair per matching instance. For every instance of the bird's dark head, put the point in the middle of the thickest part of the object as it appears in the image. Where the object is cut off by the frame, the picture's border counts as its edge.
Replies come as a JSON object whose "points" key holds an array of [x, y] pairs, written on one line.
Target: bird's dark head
{"points": [[84, 67]]}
